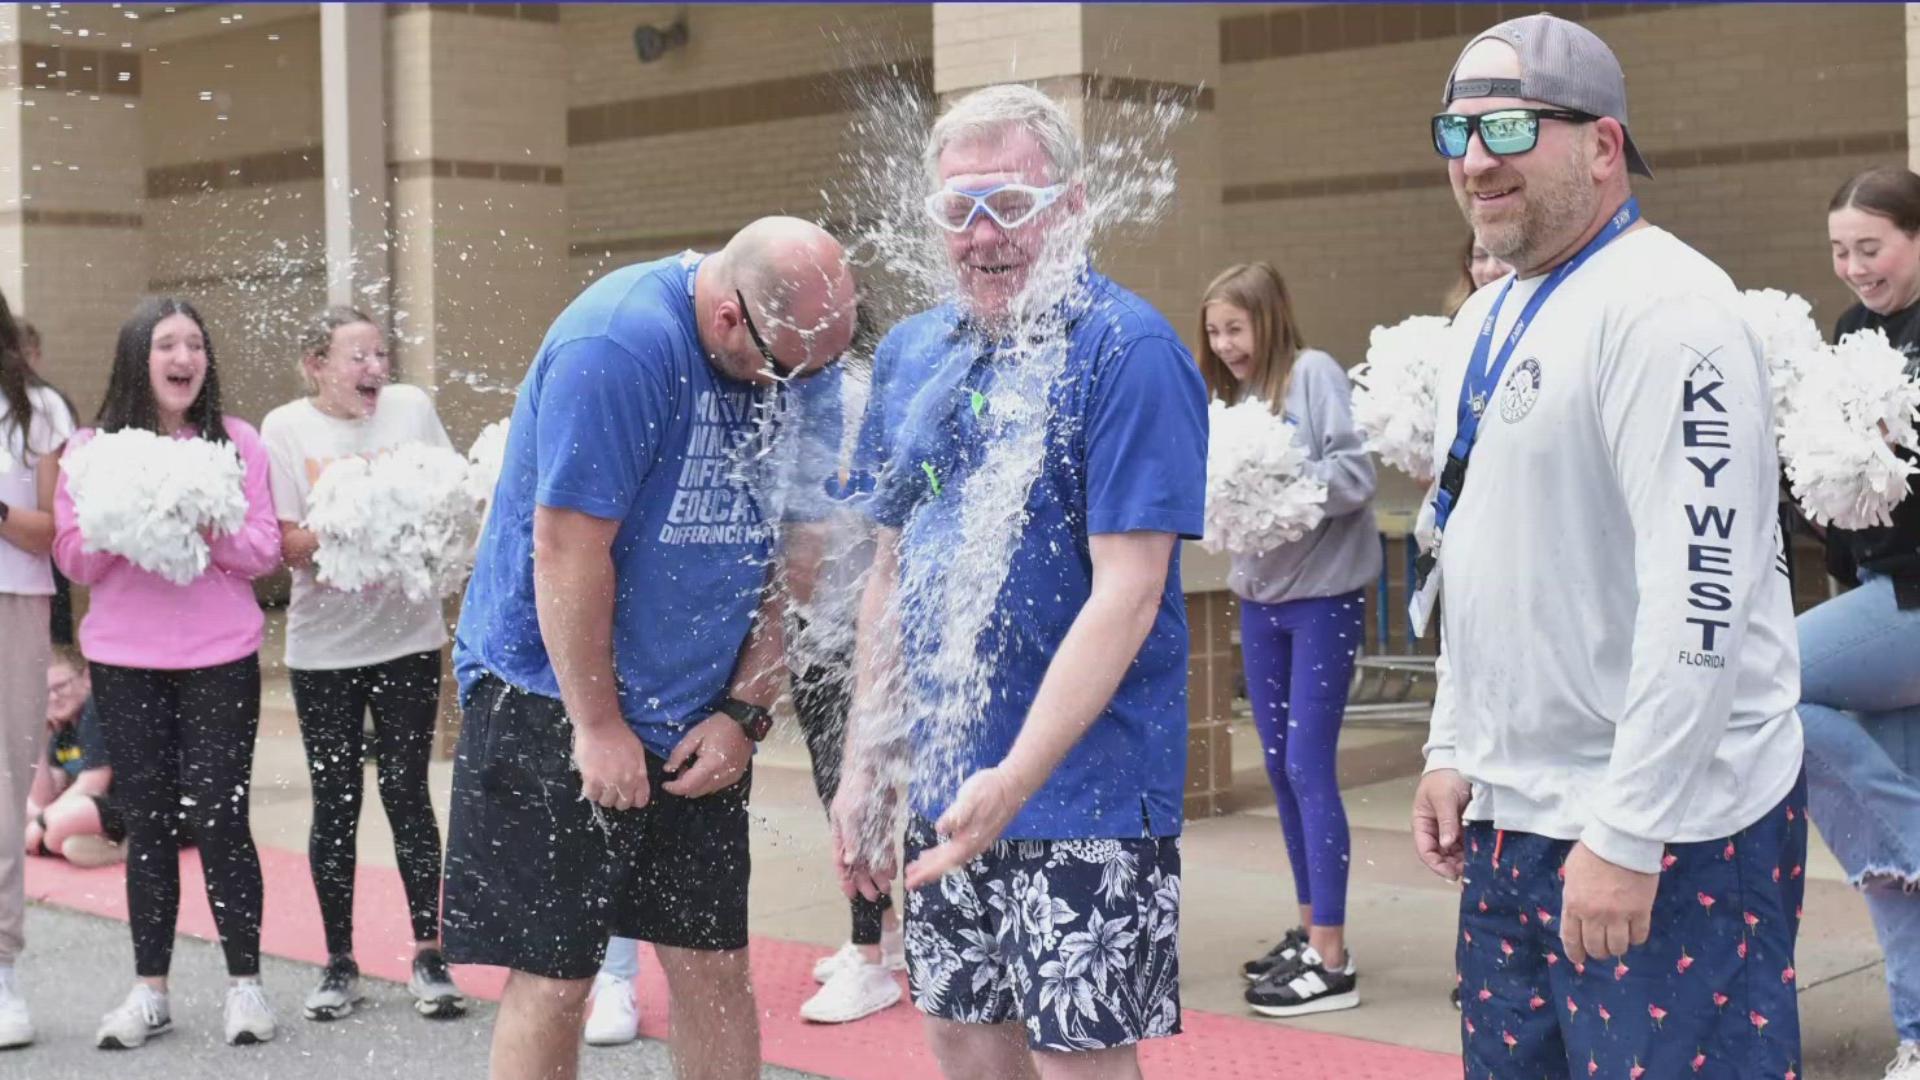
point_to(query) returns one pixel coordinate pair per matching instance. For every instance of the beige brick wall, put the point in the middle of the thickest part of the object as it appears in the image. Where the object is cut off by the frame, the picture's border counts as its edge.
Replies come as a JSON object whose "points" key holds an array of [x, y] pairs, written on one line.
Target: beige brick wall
{"points": [[633, 199], [479, 263], [251, 258], [729, 44]]}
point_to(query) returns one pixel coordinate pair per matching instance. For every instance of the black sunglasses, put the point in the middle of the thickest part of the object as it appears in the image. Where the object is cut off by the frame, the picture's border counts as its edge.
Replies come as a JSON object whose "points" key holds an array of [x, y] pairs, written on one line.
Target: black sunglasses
{"points": [[746, 315], [1503, 132]]}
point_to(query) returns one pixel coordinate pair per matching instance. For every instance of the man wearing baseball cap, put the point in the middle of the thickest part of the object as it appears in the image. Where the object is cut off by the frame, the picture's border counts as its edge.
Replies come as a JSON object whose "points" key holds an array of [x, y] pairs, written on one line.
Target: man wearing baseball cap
{"points": [[1614, 767]]}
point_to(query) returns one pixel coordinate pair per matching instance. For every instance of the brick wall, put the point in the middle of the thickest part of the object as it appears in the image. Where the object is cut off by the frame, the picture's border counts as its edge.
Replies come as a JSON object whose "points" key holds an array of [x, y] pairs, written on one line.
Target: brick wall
{"points": [[750, 117]]}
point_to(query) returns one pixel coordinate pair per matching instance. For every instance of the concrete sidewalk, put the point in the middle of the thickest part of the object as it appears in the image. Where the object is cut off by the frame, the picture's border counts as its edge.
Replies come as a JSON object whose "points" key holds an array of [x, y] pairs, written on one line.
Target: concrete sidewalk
{"points": [[1237, 897]]}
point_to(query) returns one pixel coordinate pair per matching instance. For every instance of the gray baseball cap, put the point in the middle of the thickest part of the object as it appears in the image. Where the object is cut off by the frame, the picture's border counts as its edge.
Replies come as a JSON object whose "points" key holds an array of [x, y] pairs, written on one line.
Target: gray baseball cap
{"points": [[1562, 64]]}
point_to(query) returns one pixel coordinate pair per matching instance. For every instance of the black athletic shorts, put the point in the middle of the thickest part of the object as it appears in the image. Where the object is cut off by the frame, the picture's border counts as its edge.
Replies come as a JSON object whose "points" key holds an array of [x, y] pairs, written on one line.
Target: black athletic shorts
{"points": [[537, 877]]}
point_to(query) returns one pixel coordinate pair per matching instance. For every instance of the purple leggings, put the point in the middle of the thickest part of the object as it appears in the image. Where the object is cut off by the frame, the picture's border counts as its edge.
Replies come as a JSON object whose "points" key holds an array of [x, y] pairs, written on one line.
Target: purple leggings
{"points": [[1299, 658]]}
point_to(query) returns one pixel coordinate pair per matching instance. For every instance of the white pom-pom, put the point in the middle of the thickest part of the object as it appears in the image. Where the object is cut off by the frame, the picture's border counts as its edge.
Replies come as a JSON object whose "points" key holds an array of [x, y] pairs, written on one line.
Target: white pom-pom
{"points": [[1852, 405], [484, 459], [1789, 339], [403, 520], [149, 499], [1257, 497], [1394, 397]]}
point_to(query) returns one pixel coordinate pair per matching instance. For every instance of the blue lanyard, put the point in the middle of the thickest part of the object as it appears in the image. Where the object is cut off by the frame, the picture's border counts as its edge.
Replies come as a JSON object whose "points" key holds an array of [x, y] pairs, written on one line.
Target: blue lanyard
{"points": [[1478, 386]]}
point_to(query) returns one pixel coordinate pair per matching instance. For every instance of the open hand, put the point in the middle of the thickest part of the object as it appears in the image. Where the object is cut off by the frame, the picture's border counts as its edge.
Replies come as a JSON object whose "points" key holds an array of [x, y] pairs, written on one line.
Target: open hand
{"points": [[981, 811]]}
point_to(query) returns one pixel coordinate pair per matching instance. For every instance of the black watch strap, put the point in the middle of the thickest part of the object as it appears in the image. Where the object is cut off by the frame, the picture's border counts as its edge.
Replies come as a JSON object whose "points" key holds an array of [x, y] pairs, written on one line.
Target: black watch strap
{"points": [[4, 511], [753, 719]]}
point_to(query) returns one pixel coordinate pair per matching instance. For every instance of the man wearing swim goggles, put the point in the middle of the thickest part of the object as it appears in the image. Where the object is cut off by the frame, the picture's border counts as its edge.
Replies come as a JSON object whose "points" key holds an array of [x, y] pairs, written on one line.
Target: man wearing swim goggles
{"points": [[996, 206]]}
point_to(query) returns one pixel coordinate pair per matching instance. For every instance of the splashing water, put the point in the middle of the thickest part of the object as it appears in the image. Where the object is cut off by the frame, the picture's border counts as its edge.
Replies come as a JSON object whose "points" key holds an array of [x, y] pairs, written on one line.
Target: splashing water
{"points": [[938, 645]]}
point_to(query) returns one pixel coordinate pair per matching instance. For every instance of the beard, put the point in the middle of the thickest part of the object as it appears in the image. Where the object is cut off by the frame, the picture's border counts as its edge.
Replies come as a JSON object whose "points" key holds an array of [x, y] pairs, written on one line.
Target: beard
{"points": [[1559, 203]]}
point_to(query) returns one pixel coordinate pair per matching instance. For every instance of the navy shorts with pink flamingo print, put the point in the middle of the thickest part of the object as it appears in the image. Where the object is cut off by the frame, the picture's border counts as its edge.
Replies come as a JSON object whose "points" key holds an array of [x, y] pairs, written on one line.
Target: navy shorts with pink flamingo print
{"points": [[1710, 995]]}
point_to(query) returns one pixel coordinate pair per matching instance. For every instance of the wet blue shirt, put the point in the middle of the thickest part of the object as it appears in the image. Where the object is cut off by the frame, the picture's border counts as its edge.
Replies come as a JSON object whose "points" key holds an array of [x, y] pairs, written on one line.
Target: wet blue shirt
{"points": [[622, 417], [1125, 451]]}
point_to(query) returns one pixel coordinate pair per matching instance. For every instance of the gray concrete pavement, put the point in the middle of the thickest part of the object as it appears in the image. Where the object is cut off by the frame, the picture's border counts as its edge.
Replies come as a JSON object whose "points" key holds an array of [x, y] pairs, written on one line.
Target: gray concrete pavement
{"points": [[77, 970]]}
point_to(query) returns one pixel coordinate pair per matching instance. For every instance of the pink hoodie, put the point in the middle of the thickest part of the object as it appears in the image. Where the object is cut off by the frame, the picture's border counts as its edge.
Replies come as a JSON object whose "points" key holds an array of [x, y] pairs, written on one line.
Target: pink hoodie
{"points": [[139, 619]]}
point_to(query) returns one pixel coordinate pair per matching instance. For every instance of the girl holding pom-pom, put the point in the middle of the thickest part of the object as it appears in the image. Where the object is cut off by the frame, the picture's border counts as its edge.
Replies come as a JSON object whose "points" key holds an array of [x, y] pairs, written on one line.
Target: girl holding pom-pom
{"points": [[1301, 622], [1859, 676], [349, 652], [176, 676]]}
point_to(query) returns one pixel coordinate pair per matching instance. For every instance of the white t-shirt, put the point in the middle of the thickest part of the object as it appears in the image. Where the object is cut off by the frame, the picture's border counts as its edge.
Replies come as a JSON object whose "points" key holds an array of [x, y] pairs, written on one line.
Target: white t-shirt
{"points": [[328, 629], [23, 573], [1619, 658]]}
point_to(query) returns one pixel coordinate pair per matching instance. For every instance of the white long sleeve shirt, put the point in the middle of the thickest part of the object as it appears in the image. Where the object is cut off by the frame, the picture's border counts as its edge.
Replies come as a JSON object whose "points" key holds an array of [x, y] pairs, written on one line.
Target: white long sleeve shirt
{"points": [[1620, 665]]}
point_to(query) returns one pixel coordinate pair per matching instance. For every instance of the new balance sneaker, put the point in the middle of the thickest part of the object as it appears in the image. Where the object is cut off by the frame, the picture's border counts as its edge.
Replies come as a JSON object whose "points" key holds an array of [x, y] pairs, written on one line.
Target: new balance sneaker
{"points": [[434, 995], [613, 1016], [139, 1018], [851, 992], [1281, 955], [1906, 1062], [338, 992], [1305, 988], [16, 1024], [893, 956], [249, 1017]]}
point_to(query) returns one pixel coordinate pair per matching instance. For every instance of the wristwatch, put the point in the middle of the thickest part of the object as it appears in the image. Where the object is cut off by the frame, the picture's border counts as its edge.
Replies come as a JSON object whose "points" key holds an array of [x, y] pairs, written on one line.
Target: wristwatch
{"points": [[753, 719], [4, 511]]}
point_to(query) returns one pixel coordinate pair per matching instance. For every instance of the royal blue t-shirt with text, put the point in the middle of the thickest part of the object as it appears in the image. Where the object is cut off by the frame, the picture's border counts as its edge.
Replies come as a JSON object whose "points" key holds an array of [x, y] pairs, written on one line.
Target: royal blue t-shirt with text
{"points": [[623, 418]]}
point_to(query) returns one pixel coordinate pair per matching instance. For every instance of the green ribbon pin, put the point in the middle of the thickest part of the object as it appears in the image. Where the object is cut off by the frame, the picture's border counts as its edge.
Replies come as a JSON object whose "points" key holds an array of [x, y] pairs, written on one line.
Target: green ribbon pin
{"points": [[932, 477], [978, 402]]}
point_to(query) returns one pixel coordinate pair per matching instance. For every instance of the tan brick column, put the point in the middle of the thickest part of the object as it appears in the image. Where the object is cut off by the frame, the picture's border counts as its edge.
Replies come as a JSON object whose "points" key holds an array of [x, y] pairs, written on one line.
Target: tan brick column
{"points": [[476, 145], [72, 252], [1089, 56], [476, 141]]}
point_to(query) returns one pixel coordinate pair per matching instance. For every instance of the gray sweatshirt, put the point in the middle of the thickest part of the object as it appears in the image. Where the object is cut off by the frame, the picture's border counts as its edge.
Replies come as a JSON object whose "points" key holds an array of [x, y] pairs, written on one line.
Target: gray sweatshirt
{"points": [[1343, 553]]}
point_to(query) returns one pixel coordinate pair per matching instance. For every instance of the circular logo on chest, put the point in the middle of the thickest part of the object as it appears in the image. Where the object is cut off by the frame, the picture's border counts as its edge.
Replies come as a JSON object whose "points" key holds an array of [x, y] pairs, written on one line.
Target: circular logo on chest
{"points": [[1520, 390]]}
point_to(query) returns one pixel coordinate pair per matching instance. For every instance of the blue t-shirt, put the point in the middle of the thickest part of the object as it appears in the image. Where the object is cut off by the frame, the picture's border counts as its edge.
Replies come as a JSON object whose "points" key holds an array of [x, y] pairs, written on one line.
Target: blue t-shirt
{"points": [[622, 417], [1124, 451]]}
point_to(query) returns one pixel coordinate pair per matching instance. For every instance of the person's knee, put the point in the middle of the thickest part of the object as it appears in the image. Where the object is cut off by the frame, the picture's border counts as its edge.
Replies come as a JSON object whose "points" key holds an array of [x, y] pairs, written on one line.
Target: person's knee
{"points": [[716, 977], [526, 992]]}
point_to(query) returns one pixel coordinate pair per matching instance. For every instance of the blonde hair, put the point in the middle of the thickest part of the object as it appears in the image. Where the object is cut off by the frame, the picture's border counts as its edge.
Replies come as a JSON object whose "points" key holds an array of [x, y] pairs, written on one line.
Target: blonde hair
{"points": [[1257, 289], [317, 338]]}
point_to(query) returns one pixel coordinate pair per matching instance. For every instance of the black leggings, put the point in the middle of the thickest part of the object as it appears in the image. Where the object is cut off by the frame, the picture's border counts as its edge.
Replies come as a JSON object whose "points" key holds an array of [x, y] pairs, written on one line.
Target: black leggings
{"points": [[404, 695], [181, 747], [821, 699]]}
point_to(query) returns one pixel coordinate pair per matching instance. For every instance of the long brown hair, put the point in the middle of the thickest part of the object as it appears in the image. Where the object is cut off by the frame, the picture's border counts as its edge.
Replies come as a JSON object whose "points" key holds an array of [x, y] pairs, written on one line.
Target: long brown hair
{"points": [[1260, 291], [16, 378]]}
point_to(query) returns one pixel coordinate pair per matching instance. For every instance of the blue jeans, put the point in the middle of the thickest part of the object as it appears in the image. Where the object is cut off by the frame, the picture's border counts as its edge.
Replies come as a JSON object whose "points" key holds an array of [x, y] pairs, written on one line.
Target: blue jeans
{"points": [[1860, 704]]}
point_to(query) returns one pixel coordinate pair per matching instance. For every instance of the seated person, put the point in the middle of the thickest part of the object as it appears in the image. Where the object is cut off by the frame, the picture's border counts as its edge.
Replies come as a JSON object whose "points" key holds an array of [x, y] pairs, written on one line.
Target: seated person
{"points": [[69, 811]]}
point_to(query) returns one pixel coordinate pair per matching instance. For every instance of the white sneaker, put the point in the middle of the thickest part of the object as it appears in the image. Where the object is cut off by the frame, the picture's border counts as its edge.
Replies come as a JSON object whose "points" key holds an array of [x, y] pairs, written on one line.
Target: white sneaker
{"points": [[613, 1016], [851, 992], [16, 1026], [893, 956], [249, 1017], [1906, 1062], [139, 1018]]}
